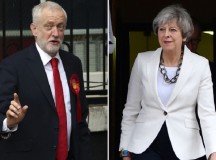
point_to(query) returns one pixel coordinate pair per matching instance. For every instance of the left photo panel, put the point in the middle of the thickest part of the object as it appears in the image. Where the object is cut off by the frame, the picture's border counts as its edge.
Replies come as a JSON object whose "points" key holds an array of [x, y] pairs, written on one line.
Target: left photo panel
{"points": [[53, 80]]}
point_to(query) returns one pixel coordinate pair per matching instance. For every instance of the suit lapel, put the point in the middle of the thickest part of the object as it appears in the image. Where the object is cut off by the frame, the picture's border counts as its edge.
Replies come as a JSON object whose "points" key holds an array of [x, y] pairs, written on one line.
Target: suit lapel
{"points": [[36, 66], [152, 71], [66, 64], [69, 70]]}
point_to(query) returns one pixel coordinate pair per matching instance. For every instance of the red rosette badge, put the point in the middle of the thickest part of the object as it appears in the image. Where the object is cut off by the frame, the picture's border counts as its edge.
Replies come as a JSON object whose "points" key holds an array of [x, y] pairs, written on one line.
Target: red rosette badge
{"points": [[75, 87]]}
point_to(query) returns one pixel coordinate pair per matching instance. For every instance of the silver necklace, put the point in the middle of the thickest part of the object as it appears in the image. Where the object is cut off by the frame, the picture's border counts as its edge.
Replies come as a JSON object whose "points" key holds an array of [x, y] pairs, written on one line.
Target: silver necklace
{"points": [[164, 71]]}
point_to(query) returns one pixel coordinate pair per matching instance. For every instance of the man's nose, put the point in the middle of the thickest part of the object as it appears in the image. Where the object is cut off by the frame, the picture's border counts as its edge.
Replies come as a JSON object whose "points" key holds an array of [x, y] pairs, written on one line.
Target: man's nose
{"points": [[55, 31]]}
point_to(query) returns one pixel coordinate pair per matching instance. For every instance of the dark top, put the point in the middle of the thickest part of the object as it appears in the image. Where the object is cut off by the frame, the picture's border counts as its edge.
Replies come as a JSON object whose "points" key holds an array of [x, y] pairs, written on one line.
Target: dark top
{"points": [[213, 72]]}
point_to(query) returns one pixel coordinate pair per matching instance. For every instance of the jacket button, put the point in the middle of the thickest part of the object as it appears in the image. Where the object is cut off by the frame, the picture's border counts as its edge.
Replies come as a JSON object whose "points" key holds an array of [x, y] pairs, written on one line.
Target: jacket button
{"points": [[165, 113], [54, 147]]}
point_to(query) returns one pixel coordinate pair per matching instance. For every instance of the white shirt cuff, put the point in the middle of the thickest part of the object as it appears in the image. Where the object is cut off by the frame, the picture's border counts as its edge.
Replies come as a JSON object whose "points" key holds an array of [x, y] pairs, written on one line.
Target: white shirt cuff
{"points": [[6, 129]]}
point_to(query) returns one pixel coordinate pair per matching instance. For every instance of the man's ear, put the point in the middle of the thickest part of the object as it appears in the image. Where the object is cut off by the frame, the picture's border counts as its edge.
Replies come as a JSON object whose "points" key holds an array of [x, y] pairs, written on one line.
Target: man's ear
{"points": [[33, 29]]}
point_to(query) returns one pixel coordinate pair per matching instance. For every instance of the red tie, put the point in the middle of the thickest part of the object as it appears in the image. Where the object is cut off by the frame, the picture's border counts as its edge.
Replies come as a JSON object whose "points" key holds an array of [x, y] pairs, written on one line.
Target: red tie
{"points": [[62, 147]]}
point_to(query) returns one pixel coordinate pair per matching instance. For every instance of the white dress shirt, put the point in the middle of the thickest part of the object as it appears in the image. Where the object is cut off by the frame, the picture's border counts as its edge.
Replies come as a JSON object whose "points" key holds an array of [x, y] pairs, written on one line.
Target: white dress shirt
{"points": [[48, 69]]}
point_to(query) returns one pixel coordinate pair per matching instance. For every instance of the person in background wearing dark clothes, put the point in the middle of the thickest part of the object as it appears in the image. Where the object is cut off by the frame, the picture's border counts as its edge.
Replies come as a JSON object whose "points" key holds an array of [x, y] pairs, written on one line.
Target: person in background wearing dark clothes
{"points": [[213, 72], [43, 107], [159, 120], [193, 43]]}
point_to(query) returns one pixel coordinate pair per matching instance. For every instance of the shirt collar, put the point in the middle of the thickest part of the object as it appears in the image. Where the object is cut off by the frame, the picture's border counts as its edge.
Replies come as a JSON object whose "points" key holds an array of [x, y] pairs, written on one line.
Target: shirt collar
{"points": [[44, 56]]}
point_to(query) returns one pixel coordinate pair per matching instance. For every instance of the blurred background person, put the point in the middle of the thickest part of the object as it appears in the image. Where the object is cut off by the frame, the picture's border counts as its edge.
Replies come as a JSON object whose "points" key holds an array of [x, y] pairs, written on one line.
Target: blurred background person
{"points": [[193, 43]]}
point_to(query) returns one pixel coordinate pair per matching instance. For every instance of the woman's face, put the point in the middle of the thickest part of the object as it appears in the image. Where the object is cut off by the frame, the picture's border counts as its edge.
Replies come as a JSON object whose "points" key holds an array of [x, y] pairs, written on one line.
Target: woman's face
{"points": [[170, 36]]}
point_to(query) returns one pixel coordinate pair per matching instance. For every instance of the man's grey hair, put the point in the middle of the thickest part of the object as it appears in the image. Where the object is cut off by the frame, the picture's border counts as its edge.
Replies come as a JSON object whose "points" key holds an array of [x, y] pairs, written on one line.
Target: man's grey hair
{"points": [[37, 10]]}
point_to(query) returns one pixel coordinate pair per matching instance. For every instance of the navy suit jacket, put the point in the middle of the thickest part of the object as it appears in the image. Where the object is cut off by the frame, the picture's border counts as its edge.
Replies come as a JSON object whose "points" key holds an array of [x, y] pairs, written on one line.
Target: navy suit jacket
{"points": [[37, 135]]}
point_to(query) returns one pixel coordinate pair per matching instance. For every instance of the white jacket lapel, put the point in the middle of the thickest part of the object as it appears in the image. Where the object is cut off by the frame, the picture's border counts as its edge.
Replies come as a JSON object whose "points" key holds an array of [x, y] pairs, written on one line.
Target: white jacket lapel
{"points": [[183, 76], [152, 69]]}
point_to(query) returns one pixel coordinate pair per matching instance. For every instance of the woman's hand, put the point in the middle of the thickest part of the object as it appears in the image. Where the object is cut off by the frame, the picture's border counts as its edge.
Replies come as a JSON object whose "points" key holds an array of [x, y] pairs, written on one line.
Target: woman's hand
{"points": [[126, 158]]}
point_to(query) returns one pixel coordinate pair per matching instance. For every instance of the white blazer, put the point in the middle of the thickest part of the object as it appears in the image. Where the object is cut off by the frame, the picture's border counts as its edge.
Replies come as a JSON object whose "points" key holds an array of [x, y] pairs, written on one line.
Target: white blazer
{"points": [[143, 114]]}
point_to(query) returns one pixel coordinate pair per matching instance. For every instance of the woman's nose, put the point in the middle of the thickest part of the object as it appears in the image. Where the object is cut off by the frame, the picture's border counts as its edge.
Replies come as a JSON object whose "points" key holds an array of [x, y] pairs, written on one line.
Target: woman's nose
{"points": [[167, 33]]}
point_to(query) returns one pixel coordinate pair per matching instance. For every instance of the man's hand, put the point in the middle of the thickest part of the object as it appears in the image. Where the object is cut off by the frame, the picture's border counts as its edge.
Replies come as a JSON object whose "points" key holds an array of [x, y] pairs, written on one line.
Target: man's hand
{"points": [[16, 112]]}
